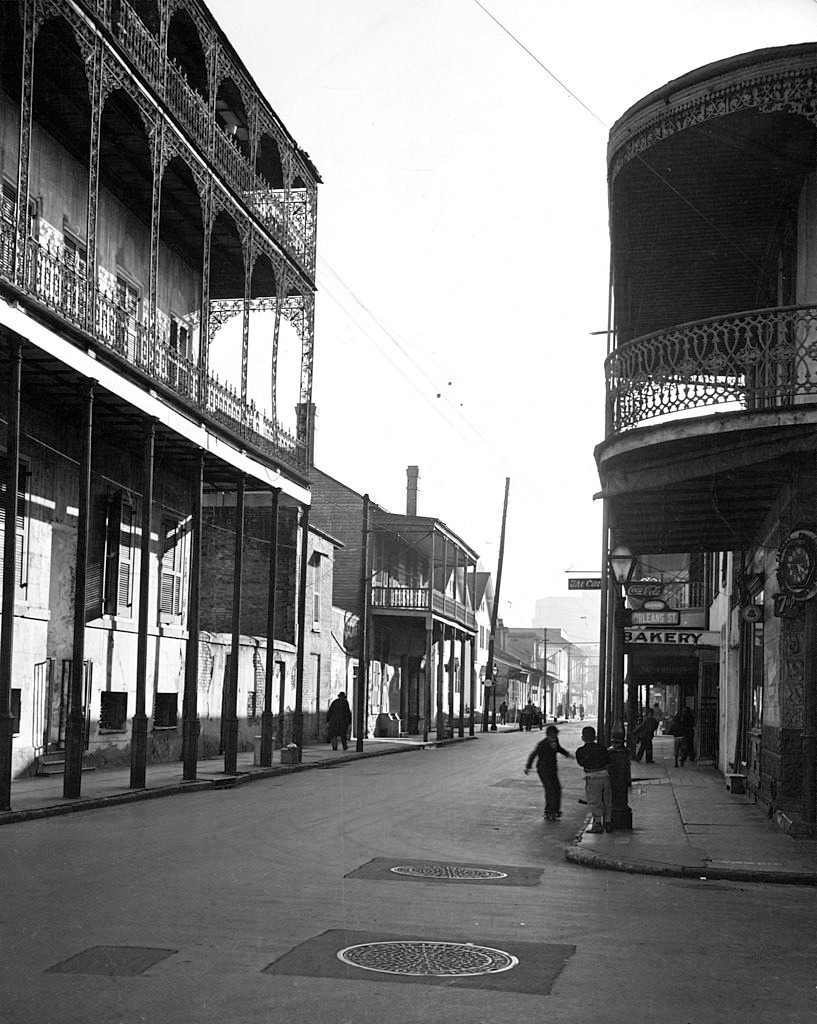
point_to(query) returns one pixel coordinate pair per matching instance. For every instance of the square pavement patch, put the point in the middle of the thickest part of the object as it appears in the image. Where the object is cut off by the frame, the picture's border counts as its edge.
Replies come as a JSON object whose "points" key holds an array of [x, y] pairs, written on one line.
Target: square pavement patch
{"points": [[113, 961], [385, 869], [526, 967]]}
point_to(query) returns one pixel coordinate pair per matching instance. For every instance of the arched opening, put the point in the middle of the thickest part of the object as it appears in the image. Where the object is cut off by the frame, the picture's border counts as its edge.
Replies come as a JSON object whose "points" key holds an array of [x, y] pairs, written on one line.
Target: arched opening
{"points": [[58, 203], [185, 52], [268, 163], [231, 116], [226, 305], [123, 226], [260, 367], [178, 302]]}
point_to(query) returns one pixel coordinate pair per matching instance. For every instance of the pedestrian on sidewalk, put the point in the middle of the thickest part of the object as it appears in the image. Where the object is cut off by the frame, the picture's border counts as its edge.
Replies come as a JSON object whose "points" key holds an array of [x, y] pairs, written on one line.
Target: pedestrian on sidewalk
{"points": [[546, 768], [503, 713], [688, 731], [594, 759], [679, 742], [338, 720], [644, 734]]}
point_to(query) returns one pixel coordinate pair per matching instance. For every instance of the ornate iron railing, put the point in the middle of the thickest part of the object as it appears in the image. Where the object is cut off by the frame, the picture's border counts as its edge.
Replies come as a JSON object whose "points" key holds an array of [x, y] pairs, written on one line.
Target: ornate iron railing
{"points": [[761, 359], [59, 283], [141, 45], [187, 103]]}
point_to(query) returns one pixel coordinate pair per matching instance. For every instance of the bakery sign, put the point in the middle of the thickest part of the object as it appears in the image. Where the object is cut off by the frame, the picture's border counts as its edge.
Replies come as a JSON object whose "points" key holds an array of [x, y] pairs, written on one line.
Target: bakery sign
{"points": [[672, 637]]}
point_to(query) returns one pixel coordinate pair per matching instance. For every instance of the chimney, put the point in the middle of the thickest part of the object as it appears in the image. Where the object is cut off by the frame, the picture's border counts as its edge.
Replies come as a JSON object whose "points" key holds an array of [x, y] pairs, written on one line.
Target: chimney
{"points": [[412, 476]]}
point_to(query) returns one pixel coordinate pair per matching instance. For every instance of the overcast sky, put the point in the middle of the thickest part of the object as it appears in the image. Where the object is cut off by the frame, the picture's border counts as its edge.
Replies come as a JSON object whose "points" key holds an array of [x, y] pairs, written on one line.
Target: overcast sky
{"points": [[463, 252]]}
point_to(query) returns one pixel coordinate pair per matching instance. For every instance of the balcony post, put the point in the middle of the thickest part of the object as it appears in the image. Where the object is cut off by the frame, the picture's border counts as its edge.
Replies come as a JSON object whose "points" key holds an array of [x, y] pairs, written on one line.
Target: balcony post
{"points": [[139, 727], [269, 671], [298, 722], [440, 723], [190, 714], [24, 148], [461, 728], [473, 684], [75, 728], [230, 723], [9, 582]]}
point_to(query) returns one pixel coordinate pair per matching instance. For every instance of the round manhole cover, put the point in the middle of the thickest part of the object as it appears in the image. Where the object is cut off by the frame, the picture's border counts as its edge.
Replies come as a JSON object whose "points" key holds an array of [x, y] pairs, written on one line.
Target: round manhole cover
{"points": [[448, 871], [421, 958]]}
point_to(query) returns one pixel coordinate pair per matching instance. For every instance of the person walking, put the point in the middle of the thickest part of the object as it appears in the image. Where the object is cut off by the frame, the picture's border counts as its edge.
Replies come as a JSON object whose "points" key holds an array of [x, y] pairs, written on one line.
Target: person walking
{"points": [[503, 713], [644, 734], [338, 720], [546, 768], [594, 759]]}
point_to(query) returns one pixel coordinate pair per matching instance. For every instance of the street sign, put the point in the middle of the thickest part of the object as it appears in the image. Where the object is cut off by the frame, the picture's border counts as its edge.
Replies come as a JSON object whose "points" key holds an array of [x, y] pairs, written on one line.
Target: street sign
{"points": [[580, 583], [655, 618]]}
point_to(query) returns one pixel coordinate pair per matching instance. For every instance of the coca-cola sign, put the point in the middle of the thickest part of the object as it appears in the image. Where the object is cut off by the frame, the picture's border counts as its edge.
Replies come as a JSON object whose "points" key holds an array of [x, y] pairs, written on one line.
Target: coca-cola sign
{"points": [[643, 589]]}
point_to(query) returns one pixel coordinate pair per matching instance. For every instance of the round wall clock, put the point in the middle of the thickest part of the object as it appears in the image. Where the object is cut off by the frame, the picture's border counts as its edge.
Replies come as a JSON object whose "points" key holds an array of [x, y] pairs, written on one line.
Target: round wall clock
{"points": [[797, 565]]}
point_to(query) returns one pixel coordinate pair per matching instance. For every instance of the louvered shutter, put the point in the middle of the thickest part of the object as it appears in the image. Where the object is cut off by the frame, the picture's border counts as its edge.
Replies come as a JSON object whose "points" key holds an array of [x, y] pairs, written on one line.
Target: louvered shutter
{"points": [[20, 526]]}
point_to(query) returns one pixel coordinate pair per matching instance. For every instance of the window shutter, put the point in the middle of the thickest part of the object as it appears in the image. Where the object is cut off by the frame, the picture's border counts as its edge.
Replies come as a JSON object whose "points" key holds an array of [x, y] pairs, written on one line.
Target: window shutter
{"points": [[118, 586], [124, 598], [20, 526]]}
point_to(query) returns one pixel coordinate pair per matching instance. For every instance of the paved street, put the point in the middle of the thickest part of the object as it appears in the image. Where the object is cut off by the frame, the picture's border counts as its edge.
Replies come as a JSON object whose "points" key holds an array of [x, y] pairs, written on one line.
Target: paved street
{"points": [[232, 906]]}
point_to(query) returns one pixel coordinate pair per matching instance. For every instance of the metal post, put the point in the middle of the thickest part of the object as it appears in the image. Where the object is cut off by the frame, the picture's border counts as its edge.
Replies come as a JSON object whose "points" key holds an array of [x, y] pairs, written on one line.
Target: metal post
{"points": [[298, 719], [75, 727], [619, 766], [230, 724], [440, 727], [363, 632], [139, 727], [461, 728], [473, 684], [427, 677], [809, 734], [9, 569], [190, 713], [267, 717]]}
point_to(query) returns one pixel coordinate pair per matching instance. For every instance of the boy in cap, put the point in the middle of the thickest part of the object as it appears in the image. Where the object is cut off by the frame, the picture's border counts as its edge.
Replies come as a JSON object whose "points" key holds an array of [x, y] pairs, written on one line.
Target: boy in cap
{"points": [[545, 756], [594, 758]]}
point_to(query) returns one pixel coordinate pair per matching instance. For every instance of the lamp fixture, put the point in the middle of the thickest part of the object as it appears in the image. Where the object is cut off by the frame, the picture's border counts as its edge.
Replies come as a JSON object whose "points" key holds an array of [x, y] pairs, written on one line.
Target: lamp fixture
{"points": [[622, 564]]}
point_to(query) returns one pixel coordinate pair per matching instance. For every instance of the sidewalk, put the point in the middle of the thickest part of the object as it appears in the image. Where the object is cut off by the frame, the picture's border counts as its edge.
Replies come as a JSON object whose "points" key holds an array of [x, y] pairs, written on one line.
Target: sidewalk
{"points": [[686, 823], [41, 796]]}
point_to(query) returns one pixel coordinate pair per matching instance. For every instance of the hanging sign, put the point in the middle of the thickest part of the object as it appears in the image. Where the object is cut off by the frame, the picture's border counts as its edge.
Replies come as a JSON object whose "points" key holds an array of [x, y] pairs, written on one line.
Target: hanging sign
{"points": [[655, 618], [672, 637], [584, 583]]}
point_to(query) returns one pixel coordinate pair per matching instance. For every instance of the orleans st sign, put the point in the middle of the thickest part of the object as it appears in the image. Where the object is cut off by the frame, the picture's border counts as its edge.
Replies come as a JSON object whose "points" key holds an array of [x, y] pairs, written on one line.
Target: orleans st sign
{"points": [[673, 637]]}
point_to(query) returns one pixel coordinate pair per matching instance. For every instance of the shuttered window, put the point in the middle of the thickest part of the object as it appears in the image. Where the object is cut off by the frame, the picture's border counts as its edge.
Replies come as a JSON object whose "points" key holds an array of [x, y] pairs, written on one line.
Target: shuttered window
{"points": [[21, 527], [119, 556], [315, 573], [172, 571]]}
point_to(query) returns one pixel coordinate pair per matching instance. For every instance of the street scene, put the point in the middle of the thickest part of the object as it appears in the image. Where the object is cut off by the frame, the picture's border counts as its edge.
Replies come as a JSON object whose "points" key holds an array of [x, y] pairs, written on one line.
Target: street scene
{"points": [[235, 904], [408, 613]]}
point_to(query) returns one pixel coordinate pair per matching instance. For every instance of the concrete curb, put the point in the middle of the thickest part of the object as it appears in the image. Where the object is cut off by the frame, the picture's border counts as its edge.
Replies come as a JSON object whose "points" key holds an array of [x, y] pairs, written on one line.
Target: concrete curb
{"points": [[590, 859], [204, 785]]}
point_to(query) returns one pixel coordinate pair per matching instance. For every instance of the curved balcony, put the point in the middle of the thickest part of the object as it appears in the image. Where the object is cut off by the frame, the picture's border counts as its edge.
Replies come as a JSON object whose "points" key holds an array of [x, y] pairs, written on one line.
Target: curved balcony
{"points": [[762, 359]]}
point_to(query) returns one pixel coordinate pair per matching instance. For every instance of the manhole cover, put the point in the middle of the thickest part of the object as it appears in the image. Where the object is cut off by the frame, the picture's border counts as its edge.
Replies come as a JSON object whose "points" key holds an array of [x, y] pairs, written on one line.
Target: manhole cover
{"points": [[420, 958], [447, 871]]}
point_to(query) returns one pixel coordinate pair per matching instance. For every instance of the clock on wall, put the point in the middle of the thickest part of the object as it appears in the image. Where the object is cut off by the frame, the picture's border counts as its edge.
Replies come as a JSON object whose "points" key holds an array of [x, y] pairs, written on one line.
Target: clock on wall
{"points": [[797, 565]]}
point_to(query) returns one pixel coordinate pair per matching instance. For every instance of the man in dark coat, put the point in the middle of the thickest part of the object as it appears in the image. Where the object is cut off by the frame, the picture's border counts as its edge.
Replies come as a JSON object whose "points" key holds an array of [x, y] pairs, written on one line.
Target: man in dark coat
{"points": [[338, 720]]}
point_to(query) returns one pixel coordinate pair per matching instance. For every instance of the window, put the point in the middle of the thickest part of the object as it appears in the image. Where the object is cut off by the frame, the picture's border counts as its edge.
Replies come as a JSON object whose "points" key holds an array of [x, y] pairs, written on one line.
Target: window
{"points": [[315, 580], [21, 526], [127, 316], [165, 711], [171, 587], [75, 259], [15, 710], [119, 543], [113, 711]]}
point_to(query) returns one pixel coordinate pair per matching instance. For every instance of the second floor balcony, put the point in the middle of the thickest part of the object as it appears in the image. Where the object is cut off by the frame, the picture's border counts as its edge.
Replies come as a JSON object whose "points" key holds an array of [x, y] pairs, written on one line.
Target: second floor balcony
{"points": [[756, 360], [407, 599]]}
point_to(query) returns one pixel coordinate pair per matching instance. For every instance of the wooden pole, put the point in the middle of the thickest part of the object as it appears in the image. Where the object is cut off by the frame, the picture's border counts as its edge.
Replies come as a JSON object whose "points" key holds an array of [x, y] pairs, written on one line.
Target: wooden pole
{"points": [[363, 633], [489, 668]]}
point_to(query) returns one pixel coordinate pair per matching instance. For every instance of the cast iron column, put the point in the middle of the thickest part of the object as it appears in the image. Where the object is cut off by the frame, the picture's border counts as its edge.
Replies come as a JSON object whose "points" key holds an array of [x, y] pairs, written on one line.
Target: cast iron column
{"points": [[809, 734], [269, 673], [139, 728], [75, 727], [231, 704], [298, 723], [461, 729], [619, 765], [190, 712], [9, 570], [473, 684]]}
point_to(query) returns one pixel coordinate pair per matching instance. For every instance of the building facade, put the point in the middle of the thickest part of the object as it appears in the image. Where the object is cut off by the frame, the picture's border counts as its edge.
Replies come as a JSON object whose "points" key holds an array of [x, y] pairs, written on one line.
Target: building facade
{"points": [[157, 257], [709, 450]]}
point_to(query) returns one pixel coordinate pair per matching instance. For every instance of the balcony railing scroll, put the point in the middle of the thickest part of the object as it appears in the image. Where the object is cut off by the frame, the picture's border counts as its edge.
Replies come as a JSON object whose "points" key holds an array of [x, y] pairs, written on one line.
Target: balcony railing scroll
{"points": [[761, 359], [140, 43], [58, 281]]}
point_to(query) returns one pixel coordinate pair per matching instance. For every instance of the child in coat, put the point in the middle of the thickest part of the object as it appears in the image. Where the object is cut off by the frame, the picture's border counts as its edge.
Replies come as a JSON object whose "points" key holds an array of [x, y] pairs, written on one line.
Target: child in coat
{"points": [[545, 756]]}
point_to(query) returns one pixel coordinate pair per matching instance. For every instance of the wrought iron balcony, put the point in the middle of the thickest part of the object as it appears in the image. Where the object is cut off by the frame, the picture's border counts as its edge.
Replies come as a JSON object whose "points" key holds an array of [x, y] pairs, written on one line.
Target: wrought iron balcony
{"points": [[760, 359], [286, 217], [61, 286]]}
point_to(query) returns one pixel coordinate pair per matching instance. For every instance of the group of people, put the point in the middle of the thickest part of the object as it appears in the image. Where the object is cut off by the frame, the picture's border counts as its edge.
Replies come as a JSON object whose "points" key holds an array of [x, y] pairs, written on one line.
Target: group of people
{"points": [[593, 758], [680, 726]]}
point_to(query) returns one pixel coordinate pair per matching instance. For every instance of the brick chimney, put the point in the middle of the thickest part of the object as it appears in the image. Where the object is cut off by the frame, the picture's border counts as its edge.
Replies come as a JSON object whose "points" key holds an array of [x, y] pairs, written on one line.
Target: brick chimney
{"points": [[412, 476]]}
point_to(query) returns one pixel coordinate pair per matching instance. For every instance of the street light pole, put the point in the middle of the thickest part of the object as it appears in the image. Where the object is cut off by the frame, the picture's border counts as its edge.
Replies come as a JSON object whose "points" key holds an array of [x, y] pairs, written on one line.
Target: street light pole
{"points": [[622, 564]]}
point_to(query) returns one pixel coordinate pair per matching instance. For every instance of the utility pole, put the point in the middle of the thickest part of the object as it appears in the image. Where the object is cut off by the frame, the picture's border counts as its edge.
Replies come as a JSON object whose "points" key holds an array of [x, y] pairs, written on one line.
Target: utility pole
{"points": [[489, 670], [363, 650]]}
